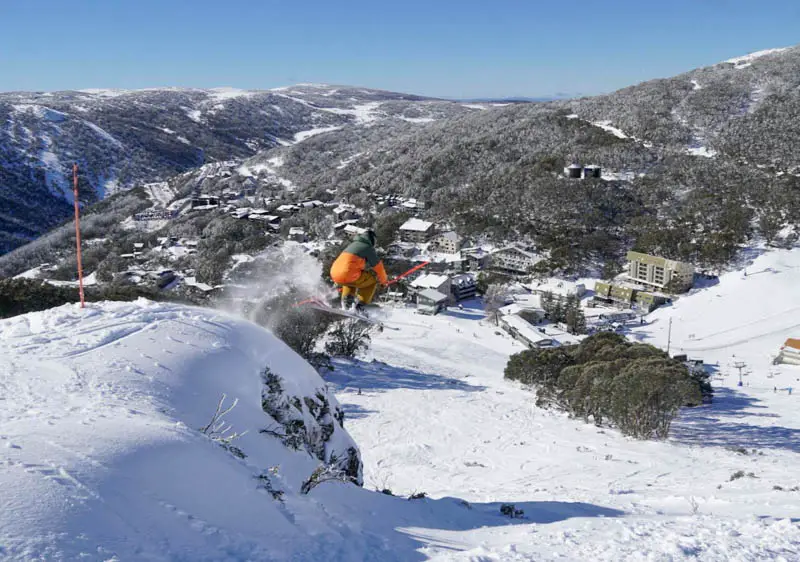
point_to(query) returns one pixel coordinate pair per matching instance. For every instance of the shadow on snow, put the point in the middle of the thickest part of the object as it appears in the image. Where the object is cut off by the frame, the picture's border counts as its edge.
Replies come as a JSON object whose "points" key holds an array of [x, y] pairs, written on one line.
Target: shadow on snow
{"points": [[378, 376], [406, 526], [711, 425]]}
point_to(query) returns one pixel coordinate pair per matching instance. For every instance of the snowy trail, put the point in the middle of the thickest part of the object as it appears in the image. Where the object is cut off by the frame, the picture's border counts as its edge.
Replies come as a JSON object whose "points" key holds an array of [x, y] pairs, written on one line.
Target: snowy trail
{"points": [[160, 194], [434, 414], [102, 458]]}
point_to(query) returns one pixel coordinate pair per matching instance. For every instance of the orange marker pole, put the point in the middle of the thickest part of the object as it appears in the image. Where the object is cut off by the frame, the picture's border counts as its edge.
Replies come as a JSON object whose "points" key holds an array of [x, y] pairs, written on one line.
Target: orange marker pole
{"points": [[78, 231]]}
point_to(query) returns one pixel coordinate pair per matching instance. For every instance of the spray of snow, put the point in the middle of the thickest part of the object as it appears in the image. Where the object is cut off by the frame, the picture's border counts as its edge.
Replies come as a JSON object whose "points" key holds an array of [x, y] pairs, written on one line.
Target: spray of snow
{"points": [[277, 272]]}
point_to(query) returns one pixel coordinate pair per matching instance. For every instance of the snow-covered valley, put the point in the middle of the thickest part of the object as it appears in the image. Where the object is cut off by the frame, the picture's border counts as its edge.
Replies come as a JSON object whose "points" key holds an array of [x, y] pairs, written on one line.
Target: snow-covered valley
{"points": [[103, 457], [449, 425]]}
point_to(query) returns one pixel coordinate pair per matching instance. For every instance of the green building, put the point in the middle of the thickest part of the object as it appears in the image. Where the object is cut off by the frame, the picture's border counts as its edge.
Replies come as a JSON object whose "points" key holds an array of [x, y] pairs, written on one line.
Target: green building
{"points": [[627, 296]]}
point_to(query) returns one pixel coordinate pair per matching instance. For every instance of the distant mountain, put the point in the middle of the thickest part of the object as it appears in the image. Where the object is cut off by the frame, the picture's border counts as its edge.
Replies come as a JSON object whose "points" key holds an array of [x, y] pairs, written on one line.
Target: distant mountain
{"points": [[694, 166], [125, 138], [522, 99]]}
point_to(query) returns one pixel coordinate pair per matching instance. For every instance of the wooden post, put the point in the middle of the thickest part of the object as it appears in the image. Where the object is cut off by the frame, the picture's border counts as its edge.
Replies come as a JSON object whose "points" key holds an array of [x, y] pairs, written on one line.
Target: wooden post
{"points": [[78, 232]]}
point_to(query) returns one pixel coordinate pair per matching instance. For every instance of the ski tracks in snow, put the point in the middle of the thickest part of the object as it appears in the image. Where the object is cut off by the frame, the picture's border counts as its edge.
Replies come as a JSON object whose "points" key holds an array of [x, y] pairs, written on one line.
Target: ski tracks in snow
{"points": [[444, 421]]}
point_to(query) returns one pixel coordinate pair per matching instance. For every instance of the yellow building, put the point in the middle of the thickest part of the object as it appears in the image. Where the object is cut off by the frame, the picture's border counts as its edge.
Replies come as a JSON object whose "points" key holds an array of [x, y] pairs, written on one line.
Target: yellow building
{"points": [[660, 272]]}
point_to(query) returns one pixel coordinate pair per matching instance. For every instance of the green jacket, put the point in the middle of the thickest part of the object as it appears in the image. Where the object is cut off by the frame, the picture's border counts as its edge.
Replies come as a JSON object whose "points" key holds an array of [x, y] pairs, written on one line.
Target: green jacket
{"points": [[359, 255], [363, 247]]}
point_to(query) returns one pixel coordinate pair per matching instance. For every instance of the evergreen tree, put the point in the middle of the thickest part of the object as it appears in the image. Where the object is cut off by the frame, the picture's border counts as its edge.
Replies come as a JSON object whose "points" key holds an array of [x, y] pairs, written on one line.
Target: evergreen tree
{"points": [[574, 316], [547, 303]]}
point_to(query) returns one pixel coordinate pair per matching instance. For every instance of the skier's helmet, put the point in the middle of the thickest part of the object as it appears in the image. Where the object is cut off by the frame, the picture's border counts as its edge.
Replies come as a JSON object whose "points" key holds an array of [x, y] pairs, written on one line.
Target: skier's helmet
{"points": [[371, 236]]}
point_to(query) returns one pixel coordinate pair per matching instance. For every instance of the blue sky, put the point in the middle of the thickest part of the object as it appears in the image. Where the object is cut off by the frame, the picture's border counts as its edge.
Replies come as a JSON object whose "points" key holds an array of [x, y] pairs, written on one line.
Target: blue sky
{"points": [[443, 48]]}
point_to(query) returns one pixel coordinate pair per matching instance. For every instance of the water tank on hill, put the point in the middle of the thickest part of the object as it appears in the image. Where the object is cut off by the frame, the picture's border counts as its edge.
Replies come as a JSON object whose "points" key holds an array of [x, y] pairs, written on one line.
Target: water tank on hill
{"points": [[573, 171], [592, 172]]}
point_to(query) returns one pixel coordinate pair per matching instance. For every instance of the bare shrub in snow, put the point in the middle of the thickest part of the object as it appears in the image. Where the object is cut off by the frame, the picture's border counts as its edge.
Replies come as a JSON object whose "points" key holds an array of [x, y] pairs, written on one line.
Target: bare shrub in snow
{"points": [[221, 432], [348, 338], [510, 510], [324, 473]]}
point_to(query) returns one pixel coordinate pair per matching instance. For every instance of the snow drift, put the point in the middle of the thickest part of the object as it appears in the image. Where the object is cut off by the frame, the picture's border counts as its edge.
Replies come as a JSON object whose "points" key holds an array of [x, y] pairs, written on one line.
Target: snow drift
{"points": [[104, 457], [100, 429]]}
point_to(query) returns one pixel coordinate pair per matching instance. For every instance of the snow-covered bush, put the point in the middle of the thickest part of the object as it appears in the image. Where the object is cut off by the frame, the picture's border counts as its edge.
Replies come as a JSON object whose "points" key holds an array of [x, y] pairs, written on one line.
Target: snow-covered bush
{"points": [[221, 432], [308, 423], [636, 387]]}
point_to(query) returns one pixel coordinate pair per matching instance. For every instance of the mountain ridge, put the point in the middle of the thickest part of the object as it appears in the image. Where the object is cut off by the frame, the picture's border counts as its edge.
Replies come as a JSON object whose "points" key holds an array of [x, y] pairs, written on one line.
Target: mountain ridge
{"points": [[124, 138], [670, 148]]}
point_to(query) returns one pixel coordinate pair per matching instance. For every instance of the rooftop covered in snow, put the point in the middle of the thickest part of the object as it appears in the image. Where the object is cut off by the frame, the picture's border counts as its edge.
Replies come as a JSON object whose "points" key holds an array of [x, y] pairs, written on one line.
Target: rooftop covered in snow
{"points": [[416, 225]]}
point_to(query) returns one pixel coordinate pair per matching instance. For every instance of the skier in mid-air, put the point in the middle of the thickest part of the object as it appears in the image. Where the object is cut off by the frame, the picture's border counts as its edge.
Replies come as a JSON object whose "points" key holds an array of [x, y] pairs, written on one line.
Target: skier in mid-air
{"points": [[358, 270]]}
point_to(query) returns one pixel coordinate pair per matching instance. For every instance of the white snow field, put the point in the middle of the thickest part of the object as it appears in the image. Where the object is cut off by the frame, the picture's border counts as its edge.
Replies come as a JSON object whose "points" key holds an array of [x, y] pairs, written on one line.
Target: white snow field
{"points": [[435, 415], [102, 459]]}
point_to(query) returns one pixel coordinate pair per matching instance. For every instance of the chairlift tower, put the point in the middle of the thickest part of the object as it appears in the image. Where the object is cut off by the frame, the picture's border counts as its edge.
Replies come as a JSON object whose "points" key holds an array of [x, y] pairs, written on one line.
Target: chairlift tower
{"points": [[740, 365]]}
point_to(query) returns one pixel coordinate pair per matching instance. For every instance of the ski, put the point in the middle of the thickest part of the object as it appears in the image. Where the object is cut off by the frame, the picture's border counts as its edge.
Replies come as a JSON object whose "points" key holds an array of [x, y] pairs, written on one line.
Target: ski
{"points": [[322, 306]]}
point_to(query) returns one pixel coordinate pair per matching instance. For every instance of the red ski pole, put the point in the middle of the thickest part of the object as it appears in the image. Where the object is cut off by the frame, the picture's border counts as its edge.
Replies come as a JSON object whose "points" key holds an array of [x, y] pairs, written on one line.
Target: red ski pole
{"points": [[409, 272]]}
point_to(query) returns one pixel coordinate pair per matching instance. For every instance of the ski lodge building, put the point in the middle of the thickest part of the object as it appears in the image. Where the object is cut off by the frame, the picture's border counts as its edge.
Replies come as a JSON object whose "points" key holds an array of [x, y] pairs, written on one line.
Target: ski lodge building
{"points": [[789, 353], [431, 301], [625, 295], [521, 330], [463, 287], [513, 260], [659, 272], [440, 283], [446, 243], [559, 288], [416, 230]]}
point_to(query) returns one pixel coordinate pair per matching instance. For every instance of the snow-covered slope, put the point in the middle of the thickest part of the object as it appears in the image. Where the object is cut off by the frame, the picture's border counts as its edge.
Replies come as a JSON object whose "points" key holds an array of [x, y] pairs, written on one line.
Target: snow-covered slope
{"points": [[102, 453], [748, 314], [436, 415], [103, 459], [102, 456]]}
